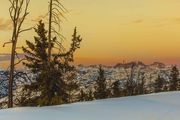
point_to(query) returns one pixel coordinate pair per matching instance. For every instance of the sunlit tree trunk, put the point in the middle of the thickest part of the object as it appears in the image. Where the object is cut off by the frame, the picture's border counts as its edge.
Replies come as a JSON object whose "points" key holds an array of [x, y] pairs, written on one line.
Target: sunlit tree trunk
{"points": [[18, 12]]}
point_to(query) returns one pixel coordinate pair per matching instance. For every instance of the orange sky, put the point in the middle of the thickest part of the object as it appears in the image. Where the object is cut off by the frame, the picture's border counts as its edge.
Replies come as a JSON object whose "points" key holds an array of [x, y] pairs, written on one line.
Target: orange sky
{"points": [[112, 30]]}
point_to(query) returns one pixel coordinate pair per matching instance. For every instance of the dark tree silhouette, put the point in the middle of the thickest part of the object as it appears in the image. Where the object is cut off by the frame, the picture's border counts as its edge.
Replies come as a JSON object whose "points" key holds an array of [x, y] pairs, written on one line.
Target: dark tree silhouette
{"points": [[90, 95], [174, 78], [159, 84], [130, 84], [72, 85], [82, 96], [49, 79], [140, 86], [116, 89], [101, 91]]}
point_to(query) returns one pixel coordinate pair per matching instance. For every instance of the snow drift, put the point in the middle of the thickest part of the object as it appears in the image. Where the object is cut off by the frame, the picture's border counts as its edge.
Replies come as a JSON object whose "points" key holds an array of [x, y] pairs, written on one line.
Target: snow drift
{"points": [[162, 106]]}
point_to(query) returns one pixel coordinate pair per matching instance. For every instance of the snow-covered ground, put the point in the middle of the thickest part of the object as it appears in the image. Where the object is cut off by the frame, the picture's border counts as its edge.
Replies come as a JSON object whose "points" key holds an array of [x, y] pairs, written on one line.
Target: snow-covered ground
{"points": [[162, 106]]}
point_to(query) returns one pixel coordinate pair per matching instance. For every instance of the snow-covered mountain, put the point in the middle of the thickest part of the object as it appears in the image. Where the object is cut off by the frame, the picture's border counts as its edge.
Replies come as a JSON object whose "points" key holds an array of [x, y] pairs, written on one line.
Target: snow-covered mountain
{"points": [[162, 106]]}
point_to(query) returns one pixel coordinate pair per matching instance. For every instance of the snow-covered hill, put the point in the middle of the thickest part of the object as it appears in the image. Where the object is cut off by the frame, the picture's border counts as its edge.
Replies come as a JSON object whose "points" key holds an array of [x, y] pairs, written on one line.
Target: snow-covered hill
{"points": [[162, 106]]}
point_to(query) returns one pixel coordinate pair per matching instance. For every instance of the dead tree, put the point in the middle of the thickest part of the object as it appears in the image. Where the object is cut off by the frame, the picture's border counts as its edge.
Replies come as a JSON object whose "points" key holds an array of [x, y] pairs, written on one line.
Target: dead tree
{"points": [[18, 12], [56, 11]]}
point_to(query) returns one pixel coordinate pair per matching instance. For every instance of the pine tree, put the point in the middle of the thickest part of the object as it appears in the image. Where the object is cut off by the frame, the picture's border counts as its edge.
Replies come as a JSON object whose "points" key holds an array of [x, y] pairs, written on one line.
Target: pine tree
{"points": [[82, 96], [90, 96], [116, 89], [174, 79], [101, 91], [72, 85], [159, 84], [49, 77], [141, 84], [130, 83]]}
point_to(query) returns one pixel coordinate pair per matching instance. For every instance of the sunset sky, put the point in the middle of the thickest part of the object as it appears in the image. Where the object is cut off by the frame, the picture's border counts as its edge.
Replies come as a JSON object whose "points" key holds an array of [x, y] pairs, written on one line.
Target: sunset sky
{"points": [[112, 30]]}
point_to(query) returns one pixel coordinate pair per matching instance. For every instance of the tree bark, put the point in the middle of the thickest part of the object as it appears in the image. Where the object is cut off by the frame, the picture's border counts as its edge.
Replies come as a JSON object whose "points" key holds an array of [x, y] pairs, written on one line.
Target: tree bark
{"points": [[17, 16], [11, 78], [49, 34]]}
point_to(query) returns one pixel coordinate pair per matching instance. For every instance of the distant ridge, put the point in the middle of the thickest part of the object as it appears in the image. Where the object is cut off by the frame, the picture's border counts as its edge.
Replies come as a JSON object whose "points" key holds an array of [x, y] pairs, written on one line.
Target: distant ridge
{"points": [[158, 64], [129, 64], [139, 63]]}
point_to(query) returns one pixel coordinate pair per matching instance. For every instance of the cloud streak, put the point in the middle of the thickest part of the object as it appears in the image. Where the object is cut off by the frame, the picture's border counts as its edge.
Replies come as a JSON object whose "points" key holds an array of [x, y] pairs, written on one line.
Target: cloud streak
{"points": [[176, 20], [138, 21], [5, 24], [7, 57]]}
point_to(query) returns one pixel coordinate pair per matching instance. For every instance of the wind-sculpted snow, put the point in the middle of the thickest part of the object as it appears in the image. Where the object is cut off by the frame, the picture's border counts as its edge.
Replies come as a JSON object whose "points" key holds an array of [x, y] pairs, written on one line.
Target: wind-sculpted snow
{"points": [[162, 106]]}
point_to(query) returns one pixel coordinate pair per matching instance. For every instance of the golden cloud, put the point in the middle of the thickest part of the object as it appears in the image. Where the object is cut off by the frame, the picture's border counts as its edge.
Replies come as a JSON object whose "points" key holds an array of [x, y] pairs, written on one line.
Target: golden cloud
{"points": [[138, 21], [5, 24]]}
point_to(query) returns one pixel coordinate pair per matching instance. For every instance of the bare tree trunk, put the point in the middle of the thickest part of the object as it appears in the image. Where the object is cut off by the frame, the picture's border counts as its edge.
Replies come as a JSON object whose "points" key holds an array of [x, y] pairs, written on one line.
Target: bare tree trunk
{"points": [[18, 12], [56, 11], [11, 79], [49, 36]]}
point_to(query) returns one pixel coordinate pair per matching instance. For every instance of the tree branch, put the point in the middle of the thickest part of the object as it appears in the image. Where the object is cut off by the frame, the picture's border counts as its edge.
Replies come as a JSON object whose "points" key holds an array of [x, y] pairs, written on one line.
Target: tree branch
{"points": [[6, 43]]}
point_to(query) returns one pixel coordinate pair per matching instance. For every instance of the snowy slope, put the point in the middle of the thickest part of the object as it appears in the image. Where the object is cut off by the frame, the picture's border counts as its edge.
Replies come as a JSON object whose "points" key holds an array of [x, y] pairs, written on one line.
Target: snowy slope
{"points": [[162, 106]]}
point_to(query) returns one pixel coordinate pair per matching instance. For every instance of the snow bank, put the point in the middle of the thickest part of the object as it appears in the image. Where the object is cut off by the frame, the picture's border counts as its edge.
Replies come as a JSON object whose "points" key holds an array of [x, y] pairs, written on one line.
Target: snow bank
{"points": [[162, 106]]}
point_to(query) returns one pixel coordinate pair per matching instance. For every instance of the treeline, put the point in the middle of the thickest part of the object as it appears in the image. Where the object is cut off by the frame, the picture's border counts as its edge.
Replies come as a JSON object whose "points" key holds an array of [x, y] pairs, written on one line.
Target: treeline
{"points": [[132, 85], [53, 88]]}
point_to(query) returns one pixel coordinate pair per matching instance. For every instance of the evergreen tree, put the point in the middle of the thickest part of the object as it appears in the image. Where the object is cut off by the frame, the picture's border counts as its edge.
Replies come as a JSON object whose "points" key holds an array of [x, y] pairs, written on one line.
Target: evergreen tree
{"points": [[116, 89], [82, 96], [72, 85], [159, 84], [174, 79], [49, 77], [131, 83], [141, 84], [101, 91], [90, 96]]}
